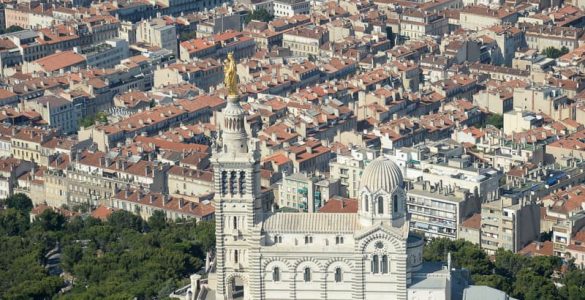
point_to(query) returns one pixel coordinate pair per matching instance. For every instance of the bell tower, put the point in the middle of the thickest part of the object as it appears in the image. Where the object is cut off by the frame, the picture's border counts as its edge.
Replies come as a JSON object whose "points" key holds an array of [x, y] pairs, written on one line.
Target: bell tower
{"points": [[238, 205]]}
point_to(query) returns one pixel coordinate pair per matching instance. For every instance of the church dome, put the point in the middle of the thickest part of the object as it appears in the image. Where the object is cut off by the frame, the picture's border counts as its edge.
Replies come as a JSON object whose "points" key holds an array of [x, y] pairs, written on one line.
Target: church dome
{"points": [[382, 173]]}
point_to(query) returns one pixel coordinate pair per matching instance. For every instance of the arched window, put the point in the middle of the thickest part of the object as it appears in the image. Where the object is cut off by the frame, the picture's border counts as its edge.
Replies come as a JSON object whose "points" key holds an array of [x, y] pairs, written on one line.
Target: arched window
{"points": [[232, 182], [224, 182], [242, 182], [366, 204], [338, 275], [278, 239], [308, 239], [236, 256], [276, 274], [395, 204], [235, 223], [375, 264], [307, 275], [384, 265], [380, 205]]}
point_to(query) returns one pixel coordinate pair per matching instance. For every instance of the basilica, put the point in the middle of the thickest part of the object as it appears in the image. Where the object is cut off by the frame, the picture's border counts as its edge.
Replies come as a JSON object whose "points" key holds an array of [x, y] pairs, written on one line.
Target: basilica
{"points": [[263, 254]]}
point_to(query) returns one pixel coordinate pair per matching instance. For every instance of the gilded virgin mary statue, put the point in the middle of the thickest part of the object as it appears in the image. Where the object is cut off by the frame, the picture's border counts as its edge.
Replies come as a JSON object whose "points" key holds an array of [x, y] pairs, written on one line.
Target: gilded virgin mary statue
{"points": [[230, 75]]}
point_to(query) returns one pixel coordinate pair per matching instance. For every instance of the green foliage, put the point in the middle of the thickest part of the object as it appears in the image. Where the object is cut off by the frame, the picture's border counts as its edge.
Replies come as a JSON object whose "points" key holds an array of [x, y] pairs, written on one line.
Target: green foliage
{"points": [[49, 220], [464, 254], [123, 219], [19, 202], [88, 121], [520, 276], [187, 35], [496, 120], [10, 29], [552, 52], [157, 221], [13, 222], [117, 259], [259, 15]]}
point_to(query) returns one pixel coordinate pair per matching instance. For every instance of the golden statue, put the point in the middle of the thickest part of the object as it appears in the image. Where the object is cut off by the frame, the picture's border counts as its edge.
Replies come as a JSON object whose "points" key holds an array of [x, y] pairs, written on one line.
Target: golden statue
{"points": [[230, 75]]}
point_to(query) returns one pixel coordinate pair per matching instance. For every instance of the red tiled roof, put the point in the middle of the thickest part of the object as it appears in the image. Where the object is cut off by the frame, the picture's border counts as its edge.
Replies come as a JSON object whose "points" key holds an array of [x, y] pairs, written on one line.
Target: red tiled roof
{"points": [[340, 205]]}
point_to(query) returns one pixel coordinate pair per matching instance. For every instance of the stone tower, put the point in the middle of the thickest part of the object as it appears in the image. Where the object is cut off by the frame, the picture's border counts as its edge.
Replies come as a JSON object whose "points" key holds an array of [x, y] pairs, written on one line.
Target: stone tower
{"points": [[238, 204]]}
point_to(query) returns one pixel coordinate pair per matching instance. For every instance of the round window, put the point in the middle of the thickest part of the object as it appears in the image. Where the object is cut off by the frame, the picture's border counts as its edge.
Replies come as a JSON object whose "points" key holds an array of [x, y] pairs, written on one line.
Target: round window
{"points": [[379, 245]]}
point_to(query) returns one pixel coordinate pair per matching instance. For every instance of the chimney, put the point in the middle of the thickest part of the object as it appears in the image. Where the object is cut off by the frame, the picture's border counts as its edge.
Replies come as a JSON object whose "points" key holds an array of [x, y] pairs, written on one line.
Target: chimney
{"points": [[165, 199], [151, 198], [181, 203], [147, 171]]}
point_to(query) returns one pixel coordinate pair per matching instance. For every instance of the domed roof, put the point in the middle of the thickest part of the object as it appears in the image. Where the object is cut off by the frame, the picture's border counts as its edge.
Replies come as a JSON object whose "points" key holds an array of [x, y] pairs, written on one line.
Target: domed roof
{"points": [[382, 173]]}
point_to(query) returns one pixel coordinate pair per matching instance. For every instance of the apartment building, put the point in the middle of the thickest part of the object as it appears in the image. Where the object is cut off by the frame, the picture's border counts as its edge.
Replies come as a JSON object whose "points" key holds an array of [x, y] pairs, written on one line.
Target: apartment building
{"points": [[157, 33], [548, 100], [415, 24], [438, 210], [305, 193], [203, 74], [104, 55], [443, 162], [27, 142], [289, 8], [521, 120], [36, 44], [565, 209], [306, 40], [348, 167], [540, 37], [309, 157], [510, 223], [478, 17], [145, 204], [58, 112], [148, 122], [95, 176], [218, 46], [508, 39], [10, 170], [53, 64], [189, 182], [497, 101]]}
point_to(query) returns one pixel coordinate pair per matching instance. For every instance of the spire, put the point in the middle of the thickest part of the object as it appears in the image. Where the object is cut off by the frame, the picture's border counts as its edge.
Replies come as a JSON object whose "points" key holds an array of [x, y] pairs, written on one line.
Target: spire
{"points": [[234, 137]]}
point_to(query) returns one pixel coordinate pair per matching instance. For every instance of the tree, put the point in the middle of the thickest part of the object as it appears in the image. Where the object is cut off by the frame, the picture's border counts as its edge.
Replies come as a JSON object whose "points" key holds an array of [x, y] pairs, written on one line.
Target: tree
{"points": [[259, 15], [529, 285], [19, 202], [206, 235], [157, 221], [13, 222], [187, 35], [114, 259], [123, 219], [10, 29], [87, 121], [496, 120], [71, 255], [552, 52], [102, 117], [49, 220]]}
